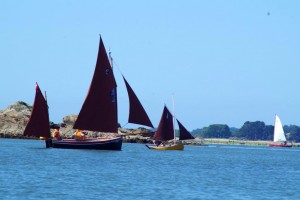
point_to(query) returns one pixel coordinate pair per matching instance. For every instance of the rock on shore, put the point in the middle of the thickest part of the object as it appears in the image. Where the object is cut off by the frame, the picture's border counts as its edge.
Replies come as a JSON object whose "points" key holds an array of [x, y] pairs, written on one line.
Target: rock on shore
{"points": [[14, 119]]}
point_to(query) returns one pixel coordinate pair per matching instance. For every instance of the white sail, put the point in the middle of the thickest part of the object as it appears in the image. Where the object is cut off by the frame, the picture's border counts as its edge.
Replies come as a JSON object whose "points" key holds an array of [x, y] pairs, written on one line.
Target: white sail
{"points": [[278, 131]]}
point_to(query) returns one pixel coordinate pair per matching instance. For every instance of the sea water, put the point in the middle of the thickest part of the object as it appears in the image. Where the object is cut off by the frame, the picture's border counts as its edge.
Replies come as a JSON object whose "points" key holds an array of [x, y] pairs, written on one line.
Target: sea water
{"points": [[30, 171]]}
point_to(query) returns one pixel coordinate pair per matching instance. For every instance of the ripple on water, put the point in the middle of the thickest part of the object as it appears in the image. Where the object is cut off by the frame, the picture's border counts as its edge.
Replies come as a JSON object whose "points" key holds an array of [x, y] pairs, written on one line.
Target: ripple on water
{"points": [[221, 172]]}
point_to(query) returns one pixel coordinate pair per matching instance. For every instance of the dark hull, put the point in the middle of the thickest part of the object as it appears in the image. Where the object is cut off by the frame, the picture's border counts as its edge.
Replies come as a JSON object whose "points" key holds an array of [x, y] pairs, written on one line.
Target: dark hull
{"points": [[96, 144], [279, 145]]}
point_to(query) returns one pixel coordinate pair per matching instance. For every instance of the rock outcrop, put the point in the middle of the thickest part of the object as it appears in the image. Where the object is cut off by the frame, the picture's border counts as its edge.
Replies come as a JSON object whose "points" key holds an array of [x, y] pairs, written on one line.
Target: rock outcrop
{"points": [[13, 120]]}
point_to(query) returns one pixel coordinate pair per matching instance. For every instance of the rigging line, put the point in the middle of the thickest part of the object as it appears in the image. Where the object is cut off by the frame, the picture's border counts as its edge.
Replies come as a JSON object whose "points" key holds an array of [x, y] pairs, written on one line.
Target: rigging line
{"points": [[124, 125], [173, 106], [114, 62], [174, 118]]}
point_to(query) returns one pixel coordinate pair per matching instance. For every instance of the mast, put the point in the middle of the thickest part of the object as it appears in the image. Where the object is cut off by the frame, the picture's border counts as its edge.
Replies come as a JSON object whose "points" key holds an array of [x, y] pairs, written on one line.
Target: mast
{"points": [[112, 69], [46, 100], [174, 119], [274, 134], [110, 59]]}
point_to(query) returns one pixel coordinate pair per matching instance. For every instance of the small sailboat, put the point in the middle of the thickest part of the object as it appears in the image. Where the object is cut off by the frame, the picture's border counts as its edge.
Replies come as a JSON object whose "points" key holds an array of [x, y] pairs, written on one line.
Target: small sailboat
{"points": [[38, 124], [279, 136], [166, 132], [99, 111]]}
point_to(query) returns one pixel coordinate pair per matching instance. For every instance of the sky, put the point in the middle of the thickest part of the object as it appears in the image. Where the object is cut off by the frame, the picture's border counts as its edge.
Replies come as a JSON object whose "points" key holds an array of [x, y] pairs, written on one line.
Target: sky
{"points": [[223, 62]]}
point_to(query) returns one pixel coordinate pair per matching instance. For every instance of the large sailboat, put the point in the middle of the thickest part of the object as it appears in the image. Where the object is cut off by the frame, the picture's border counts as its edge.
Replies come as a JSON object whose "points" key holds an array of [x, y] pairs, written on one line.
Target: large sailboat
{"points": [[279, 136], [38, 124], [99, 112], [166, 132]]}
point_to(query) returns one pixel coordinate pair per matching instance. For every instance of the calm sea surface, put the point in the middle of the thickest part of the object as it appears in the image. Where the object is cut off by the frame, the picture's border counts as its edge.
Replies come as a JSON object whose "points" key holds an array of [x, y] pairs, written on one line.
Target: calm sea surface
{"points": [[30, 171]]}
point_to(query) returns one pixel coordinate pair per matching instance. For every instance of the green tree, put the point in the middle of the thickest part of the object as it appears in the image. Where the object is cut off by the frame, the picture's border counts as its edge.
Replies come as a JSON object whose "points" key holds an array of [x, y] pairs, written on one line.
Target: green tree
{"points": [[292, 133], [216, 131], [252, 130], [268, 133]]}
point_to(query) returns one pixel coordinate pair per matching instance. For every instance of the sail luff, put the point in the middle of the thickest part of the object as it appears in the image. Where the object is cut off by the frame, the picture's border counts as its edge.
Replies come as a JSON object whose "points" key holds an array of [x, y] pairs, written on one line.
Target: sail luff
{"points": [[184, 133], [99, 110], [165, 128], [278, 131], [38, 124], [137, 113]]}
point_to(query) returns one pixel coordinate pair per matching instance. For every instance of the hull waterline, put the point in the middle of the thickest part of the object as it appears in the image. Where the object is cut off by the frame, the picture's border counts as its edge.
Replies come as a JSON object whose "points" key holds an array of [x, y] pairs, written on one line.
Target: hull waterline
{"points": [[279, 145], [171, 147], [94, 143]]}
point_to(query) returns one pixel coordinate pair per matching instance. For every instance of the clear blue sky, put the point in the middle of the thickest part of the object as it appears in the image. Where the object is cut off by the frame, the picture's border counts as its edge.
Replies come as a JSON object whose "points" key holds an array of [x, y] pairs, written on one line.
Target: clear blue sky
{"points": [[225, 62]]}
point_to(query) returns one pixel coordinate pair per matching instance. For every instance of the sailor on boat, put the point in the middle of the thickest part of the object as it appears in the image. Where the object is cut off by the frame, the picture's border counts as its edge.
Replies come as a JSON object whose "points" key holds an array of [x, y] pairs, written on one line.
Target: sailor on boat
{"points": [[157, 143], [56, 134], [162, 144], [80, 135]]}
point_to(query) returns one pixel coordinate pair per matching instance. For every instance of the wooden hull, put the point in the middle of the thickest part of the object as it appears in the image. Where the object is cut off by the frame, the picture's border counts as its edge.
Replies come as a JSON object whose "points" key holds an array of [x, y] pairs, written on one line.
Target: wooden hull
{"points": [[167, 147], [279, 145], [90, 143]]}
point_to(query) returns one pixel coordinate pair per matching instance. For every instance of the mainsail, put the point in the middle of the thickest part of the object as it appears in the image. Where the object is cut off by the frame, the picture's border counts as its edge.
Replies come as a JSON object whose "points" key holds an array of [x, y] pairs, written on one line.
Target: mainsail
{"points": [[137, 113], [99, 110], [184, 133], [165, 130], [278, 131], [38, 124]]}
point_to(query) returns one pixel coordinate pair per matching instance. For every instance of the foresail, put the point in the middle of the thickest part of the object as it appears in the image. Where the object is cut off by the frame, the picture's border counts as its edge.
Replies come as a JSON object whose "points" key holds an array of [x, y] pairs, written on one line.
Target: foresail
{"points": [[99, 110], [165, 129], [137, 113], [38, 124], [278, 131], [184, 133]]}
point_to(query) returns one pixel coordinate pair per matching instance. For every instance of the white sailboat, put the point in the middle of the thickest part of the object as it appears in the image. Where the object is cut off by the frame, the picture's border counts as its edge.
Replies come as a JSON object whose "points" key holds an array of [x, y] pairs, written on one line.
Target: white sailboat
{"points": [[279, 136]]}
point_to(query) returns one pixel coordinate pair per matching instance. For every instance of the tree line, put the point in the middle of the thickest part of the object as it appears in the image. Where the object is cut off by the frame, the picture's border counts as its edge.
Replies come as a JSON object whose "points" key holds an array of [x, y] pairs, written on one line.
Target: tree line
{"points": [[249, 131]]}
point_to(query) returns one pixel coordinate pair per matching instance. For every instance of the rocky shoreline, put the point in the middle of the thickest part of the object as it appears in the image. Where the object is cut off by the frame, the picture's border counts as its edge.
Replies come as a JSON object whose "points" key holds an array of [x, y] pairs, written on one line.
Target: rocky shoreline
{"points": [[14, 118]]}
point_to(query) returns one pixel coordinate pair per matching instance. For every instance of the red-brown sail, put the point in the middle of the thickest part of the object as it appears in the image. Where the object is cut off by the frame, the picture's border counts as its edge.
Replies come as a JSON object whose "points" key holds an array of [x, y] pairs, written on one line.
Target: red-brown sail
{"points": [[137, 113], [165, 130], [184, 134], [99, 110], [38, 124]]}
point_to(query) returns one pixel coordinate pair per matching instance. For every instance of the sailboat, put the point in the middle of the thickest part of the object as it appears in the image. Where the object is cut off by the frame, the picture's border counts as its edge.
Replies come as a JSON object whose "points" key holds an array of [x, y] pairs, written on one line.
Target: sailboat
{"points": [[99, 111], [166, 131], [38, 124], [279, 136]]}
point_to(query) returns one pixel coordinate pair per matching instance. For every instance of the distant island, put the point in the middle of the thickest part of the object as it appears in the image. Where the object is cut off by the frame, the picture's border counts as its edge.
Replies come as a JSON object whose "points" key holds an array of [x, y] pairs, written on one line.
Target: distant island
{"points": [[253, 131], [14, 118]]}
